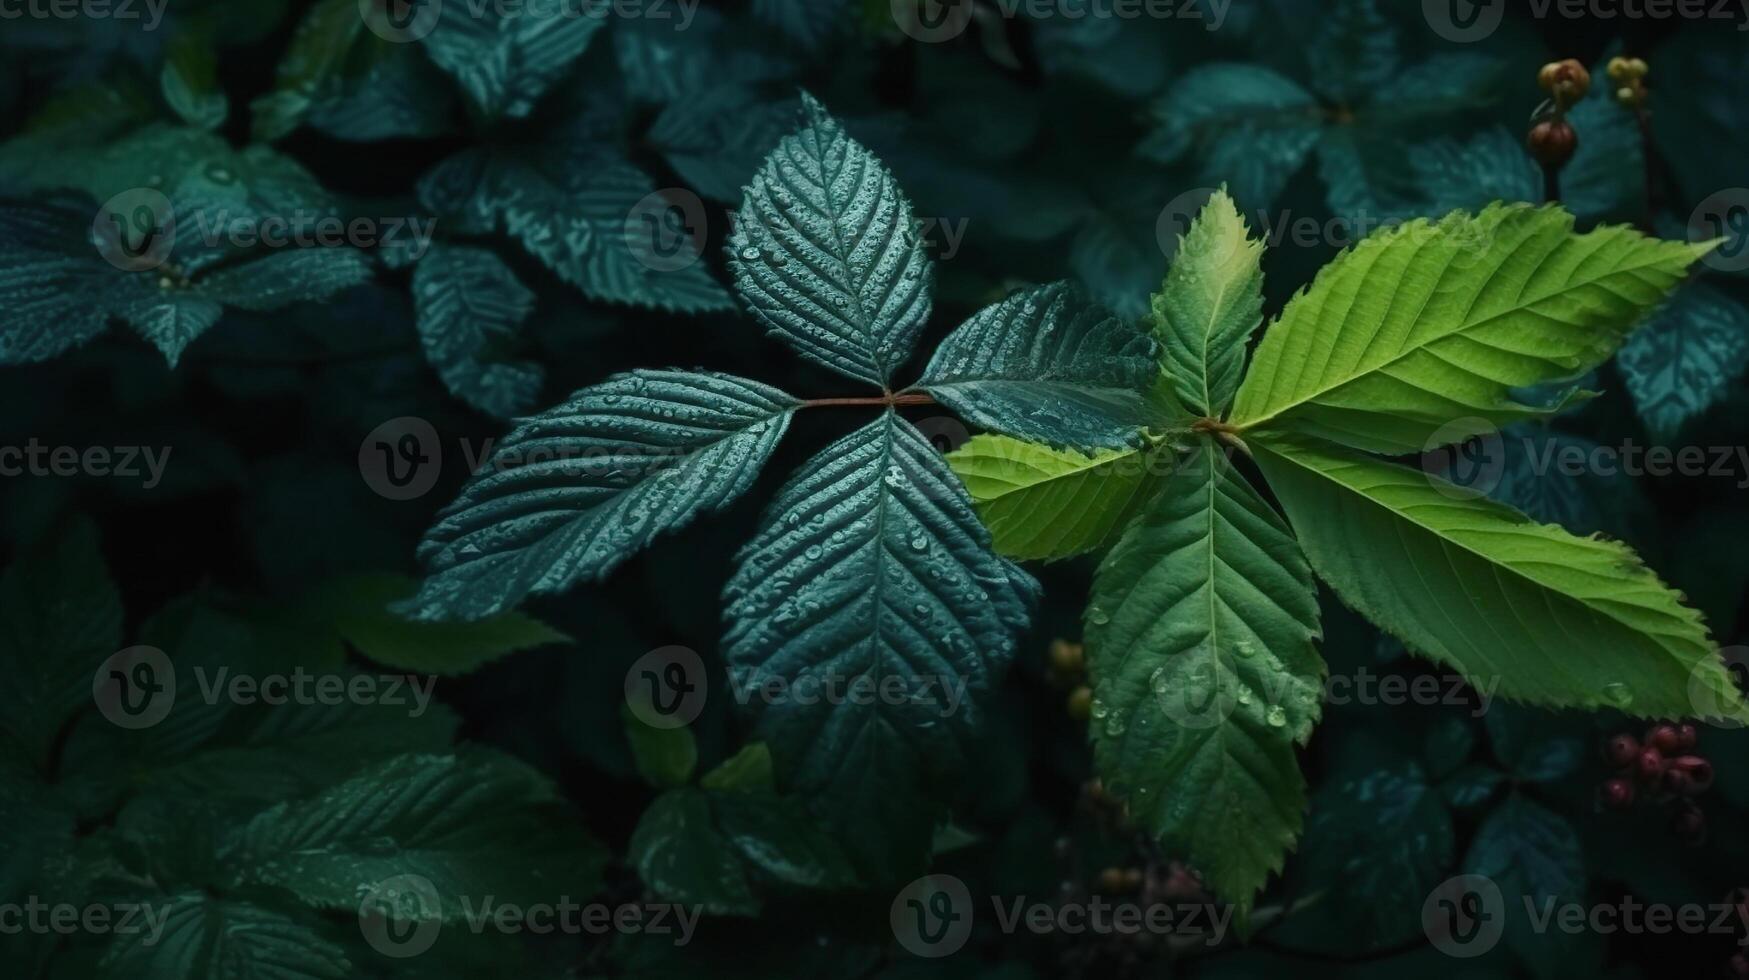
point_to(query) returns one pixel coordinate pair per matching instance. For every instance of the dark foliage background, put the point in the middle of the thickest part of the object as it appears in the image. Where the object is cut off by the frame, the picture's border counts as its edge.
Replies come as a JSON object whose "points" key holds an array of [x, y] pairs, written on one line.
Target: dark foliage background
{"points": [[1042, 135]]}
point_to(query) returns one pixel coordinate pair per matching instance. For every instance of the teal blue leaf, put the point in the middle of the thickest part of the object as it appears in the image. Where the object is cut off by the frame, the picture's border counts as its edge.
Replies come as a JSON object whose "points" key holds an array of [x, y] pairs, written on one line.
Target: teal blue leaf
{"points": [[716, 138], [780, 842], [220, 939], [871, 564], [1046, 364], [1438, 84], [1685, 358], [1377, 845], [472, 825], [1117, 259], [60, 617], [1606, 177], [507, 56], [1250, 126], [810, 24], [575, 213], [1455, 174], [189, 82], [1534, 744], [1541, 479], [469, 307], [826, 253], [572, 492], [1354, 54], [1534, 856]]}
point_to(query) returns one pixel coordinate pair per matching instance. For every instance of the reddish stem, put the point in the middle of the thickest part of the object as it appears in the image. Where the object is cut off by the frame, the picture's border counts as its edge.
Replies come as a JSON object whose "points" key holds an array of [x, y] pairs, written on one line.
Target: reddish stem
{"points": [[892, 400]]}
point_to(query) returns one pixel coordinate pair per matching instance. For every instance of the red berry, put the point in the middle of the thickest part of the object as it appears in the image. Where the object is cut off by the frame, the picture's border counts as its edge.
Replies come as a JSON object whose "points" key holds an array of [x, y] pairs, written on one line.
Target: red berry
{"points": [[1664, 738], [1740, 965], [1698, 770], [1649, 764], [1620, 751], [1552, 142], [1678, 782], [1618, 794], [1686, 736]]}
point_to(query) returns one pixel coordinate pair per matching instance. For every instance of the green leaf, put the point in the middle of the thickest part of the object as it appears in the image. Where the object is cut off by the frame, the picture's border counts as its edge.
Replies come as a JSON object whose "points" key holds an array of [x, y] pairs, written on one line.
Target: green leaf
{"points": [[747, 771], [826, 255], [1686, 358], [190, 84], [1210, 304], [1534, 745], [717, 137], [1500, 598], [1044, 503], [471, 825], [1534, 856], [1424, 324], [665, 757], [1251, 126], [781, 842], [1045, 364], [507, 57], [60, 617], [1199, 637], [357, 607], [871, 567], [219, 939], [36, 828], [572, 492], [469, 307], [682, 857]]}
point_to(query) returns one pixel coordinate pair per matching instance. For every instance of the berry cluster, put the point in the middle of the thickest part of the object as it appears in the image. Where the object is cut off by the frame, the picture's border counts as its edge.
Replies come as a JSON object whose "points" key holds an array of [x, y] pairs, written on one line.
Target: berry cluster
{"points": [[1664, 766], [1552, 140]]}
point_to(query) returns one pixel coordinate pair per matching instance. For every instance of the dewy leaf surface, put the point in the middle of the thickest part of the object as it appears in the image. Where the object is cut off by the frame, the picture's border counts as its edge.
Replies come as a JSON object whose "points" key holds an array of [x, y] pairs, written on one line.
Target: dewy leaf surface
{"points": [[505, 56], [1210, 303], [1523, 610], [573, 491], [1047, 365], [826, 253], [1045, 503], [871, 567], [469, 306], [1429, 323], [1686, 357], [1200, 635]]}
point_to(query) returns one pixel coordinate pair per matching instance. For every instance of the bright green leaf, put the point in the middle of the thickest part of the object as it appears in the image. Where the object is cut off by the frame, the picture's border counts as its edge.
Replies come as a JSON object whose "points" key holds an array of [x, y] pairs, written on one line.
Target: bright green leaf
{"points": [[1208, 307]]}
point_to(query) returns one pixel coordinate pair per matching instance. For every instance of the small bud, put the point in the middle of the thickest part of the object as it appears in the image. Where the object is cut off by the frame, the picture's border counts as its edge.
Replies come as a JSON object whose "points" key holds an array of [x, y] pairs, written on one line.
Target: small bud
{"points": [[1618, 794], [1678, 782], [1081, 703], [1621, 751], [1566, 82], [1650, 765], [1067, 658], [1132, 879], [1552, 142]]}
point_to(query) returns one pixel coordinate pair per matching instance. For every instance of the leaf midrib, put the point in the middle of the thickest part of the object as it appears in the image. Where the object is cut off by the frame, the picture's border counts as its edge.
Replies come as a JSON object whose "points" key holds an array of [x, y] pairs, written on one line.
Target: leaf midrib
{"points": [[1518, 306]]}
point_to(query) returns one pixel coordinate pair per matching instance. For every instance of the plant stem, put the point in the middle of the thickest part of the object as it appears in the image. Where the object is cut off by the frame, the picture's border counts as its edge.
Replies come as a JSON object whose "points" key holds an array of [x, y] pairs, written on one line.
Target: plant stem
{"points": [[1551, 184], [889, 399]]}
